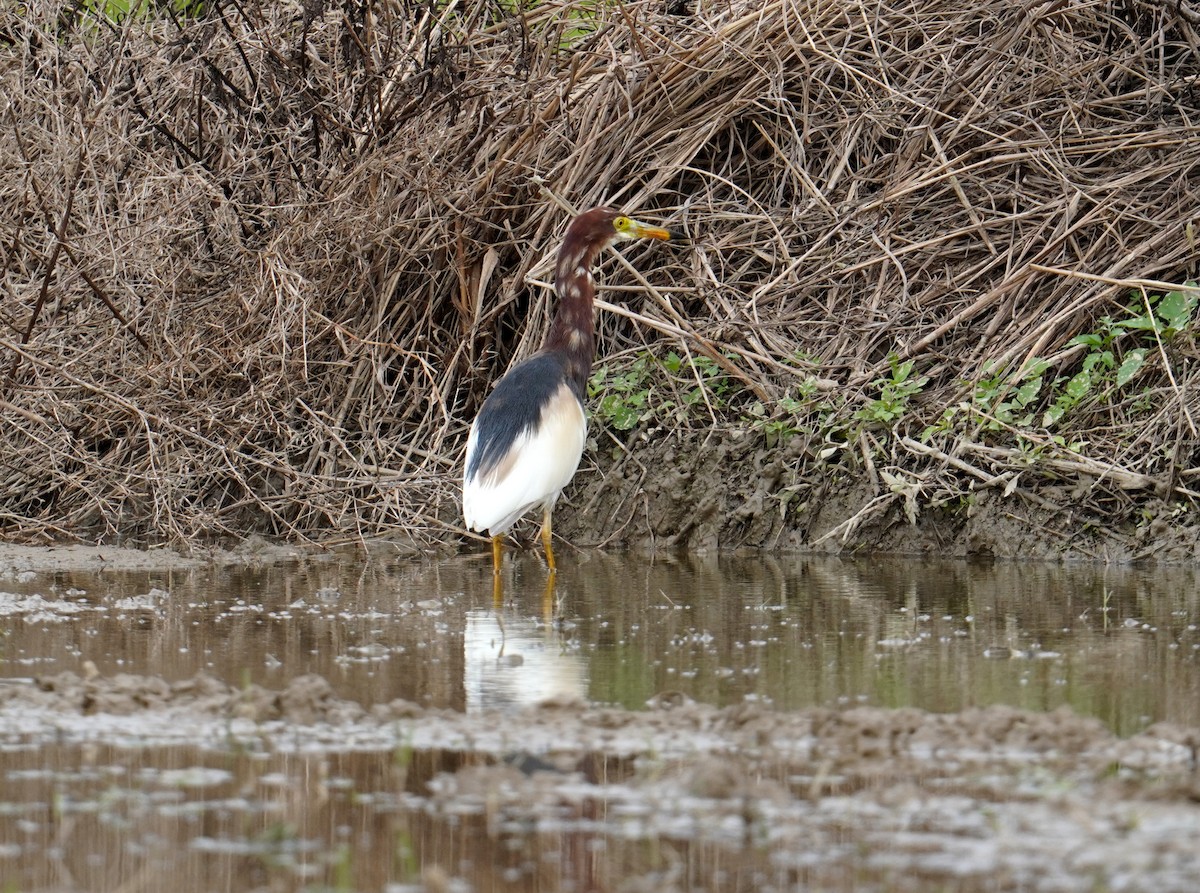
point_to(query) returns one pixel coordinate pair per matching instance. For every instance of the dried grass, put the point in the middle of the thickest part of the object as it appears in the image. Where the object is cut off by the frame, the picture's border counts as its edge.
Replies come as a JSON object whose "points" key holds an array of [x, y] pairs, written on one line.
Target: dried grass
{"points": [[261, 267]]}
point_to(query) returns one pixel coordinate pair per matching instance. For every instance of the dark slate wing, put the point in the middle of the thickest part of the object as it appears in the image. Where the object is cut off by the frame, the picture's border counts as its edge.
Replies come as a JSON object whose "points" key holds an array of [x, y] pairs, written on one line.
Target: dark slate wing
{"points": [[514, 408]]}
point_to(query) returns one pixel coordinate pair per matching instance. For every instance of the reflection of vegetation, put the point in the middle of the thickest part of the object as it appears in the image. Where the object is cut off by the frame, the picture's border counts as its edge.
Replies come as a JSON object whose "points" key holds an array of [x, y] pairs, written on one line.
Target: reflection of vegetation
{"points": [[620, 676], [942, 637], [343, 869], [405, 856]]}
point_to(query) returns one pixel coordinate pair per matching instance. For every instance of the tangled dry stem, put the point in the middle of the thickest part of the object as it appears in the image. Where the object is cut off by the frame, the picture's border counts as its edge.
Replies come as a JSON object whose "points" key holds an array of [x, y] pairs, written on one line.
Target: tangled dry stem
{"points": [[261, 265]]}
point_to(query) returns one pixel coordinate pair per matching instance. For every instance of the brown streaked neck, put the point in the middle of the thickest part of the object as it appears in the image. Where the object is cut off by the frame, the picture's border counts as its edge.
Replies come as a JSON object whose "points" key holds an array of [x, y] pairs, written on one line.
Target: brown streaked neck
{"points": [[572, 331]]}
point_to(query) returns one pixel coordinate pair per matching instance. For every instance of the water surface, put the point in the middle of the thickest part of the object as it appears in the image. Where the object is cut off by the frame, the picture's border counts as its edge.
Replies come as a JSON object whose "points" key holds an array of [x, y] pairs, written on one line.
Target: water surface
{"points": [[1120, 644], [106, 812]]}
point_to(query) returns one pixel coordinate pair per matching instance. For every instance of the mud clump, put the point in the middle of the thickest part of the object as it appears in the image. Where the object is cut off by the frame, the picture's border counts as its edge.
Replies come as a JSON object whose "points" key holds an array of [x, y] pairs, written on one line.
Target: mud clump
{"points": [[305, 700], [120, 695], [860, 736]]}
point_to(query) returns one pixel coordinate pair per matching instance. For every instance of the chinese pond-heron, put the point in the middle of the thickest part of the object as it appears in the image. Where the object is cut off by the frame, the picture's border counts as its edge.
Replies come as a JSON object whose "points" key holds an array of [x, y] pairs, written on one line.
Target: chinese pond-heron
{"points": [[527, 440]]}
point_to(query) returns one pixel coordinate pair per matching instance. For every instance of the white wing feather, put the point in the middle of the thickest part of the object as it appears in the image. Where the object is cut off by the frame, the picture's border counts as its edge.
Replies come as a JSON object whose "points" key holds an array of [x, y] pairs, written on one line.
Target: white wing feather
{"points": [[546, 460]]}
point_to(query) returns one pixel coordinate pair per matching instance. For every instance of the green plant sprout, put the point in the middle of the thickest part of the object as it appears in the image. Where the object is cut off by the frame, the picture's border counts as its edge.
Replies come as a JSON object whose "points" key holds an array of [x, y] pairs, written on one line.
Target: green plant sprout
{"points": [[1006, 400], [713, 378], [582, 17], [1110, 358], [117, 11], [620, 399], [784, 420], [1010, 406], [1159, 316], [894, 394], [638, 393]]}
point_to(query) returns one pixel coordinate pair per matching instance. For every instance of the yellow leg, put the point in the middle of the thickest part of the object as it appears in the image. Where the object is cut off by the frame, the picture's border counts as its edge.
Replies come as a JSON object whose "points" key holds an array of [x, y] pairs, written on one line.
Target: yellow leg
{"points": [[546, 541], [497, 555], [497, 580], [548, 603]]}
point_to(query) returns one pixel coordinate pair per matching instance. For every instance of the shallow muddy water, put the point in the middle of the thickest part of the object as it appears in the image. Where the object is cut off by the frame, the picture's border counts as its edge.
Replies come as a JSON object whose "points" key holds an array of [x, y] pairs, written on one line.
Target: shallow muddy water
{"points": [[764, 751], [1119, 644]]}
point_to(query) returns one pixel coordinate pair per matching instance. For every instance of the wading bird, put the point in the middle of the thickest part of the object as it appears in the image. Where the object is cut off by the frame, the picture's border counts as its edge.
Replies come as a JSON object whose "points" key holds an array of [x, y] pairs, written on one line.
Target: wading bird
{"points": [[527, 440]]}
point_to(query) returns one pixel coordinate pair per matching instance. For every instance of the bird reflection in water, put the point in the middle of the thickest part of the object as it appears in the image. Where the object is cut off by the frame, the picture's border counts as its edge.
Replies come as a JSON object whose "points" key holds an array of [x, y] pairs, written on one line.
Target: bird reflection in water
{"points": [[517, 659]]}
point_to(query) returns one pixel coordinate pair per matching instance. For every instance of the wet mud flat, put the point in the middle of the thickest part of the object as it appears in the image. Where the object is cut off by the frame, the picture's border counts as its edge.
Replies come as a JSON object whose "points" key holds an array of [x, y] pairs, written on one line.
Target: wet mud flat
{"points": [[347, 725], [218, 787]]}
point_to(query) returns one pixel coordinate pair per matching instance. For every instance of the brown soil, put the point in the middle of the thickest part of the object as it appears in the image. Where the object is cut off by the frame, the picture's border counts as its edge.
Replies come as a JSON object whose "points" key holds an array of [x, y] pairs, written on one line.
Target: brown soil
{"points": [[15, 558], [726, 489], [861, 741]]}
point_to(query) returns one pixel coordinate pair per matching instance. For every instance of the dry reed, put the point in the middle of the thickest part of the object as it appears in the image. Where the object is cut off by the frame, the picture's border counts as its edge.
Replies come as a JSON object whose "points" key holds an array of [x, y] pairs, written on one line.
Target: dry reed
{"points": [[261, 265]]}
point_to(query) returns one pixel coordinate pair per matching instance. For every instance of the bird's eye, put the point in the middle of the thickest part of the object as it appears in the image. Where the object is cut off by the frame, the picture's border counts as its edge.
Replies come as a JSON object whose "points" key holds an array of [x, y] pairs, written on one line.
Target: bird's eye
{"points": [[621, 224]]}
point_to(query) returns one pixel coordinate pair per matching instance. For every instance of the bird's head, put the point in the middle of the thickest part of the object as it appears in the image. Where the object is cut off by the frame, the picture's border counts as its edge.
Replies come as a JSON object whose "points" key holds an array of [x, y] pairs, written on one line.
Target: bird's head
{"points": [[593, 230]]}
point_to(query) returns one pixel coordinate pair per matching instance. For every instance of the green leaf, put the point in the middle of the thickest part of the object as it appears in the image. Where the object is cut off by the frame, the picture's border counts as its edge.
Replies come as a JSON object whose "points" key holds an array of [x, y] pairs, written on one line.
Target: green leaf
{"points": [[1035, 368], [1142, 323], [625, 418], [985, 391], [1103, 359], [1089, 340], [1078, 386], [1028, 391], [1130, 365], [901, 371], [1176, 308]]}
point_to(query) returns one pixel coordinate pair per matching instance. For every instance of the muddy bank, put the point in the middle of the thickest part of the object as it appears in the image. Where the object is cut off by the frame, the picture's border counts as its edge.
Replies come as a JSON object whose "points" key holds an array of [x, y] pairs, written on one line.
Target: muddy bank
{"points": [[727, 489], [17, 559]]}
